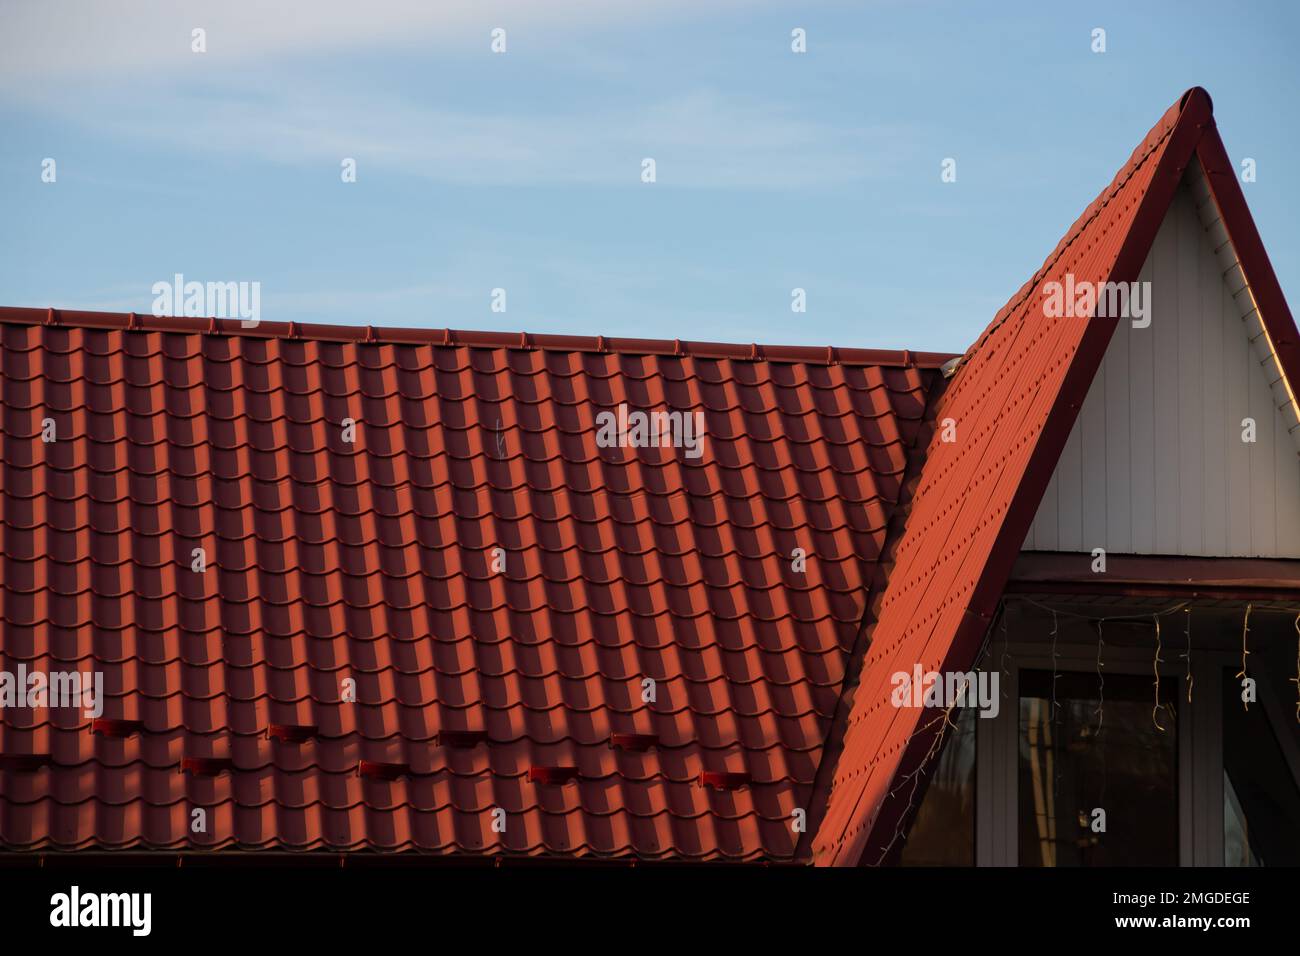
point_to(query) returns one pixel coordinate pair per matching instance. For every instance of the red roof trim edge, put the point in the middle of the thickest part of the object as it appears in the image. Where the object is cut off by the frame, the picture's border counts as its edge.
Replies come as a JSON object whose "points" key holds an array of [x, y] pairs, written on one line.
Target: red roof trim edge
{"points": [[1274, 312], [379, 335]]}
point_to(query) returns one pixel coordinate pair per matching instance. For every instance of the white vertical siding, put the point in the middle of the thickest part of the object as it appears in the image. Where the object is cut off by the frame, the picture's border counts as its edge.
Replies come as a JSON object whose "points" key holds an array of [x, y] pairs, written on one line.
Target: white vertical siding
{"points": [[1155, 463]]}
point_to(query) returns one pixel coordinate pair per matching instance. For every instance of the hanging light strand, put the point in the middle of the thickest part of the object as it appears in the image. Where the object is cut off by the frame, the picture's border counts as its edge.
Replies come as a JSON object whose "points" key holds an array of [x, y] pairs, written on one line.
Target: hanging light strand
{"points": [[1155, 667], [1002, 663], [1055, 675], [937, 741], [1241, 676], [1107, 618], [1101, 680], [1296, 680]]}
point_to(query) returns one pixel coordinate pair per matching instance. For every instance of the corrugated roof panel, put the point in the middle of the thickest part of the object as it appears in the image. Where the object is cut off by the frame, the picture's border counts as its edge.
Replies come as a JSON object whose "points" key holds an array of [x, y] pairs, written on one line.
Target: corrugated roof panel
{"points": [[484, 679]]}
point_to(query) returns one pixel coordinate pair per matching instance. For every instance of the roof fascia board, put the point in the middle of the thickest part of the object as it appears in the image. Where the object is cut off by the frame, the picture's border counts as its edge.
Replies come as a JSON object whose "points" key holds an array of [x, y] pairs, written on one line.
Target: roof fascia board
{"points": [[1205, 573], [1274, 313]]}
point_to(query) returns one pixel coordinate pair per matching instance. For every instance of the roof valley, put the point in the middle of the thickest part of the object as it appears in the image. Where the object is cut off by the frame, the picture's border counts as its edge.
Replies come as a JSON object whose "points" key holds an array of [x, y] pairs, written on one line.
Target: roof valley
{"points": [[897, 528]]}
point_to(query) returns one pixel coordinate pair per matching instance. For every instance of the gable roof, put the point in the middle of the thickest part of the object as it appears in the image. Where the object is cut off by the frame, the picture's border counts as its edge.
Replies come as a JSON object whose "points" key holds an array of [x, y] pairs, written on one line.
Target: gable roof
{"points": [[373, 561], [481, 690], [1013, 402]]}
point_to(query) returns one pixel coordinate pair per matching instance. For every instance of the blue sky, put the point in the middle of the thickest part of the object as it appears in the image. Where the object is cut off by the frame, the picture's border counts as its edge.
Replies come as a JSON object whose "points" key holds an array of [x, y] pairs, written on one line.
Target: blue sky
{"points": [[522, 170]]}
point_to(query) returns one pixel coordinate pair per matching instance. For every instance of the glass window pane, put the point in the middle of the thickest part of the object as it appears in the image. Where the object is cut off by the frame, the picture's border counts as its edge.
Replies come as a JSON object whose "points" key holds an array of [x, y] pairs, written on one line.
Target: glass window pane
{"points": [[943, 832], [1100, 750], [1236, 846], [1261, 814]]}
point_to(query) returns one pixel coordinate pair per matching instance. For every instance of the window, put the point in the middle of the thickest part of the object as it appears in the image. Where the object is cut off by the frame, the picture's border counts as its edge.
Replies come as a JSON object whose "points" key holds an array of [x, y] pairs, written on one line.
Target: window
{"points": [[943, 832], [1097, 772], [1197, 781], [1261, 804]]}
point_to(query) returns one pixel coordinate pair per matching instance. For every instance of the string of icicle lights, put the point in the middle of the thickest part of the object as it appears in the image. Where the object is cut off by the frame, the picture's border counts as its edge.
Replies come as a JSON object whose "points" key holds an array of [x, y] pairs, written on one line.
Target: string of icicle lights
{"points": [[1185, 607], [1000, 623]]}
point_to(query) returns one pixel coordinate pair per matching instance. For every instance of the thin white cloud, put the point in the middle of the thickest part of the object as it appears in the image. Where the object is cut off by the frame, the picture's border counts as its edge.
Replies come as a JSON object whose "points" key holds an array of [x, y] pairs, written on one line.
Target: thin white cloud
{"points": [[700, 139], [125, 71], [41, 39]]}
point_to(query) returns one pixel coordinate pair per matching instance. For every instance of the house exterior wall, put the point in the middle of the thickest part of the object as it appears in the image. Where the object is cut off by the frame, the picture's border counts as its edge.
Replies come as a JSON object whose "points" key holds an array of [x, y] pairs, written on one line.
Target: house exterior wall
{"points": [[1156, 463]]}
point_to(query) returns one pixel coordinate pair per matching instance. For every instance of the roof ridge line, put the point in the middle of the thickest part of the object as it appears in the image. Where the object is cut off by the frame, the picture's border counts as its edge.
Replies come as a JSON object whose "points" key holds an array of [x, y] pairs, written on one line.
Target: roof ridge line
{"points": [[454, 338], [1080, 225], [895, 528]]}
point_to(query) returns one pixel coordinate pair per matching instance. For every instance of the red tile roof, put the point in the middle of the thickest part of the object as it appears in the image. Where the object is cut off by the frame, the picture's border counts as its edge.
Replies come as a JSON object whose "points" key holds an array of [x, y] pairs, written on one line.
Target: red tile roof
{"points": [[521, 690], [1013, 402], [475, 690]]}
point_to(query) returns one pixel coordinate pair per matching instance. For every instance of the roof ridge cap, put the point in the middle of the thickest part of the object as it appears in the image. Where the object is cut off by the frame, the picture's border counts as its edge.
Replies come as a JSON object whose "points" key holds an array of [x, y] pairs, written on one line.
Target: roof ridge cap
{"points": [[456, 338], [1088, 216]]}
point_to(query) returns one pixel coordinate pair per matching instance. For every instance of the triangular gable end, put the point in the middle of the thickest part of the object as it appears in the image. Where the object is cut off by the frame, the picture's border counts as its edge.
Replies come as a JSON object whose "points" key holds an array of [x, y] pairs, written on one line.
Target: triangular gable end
{"points": [[1011, 408], [1189, 440]]}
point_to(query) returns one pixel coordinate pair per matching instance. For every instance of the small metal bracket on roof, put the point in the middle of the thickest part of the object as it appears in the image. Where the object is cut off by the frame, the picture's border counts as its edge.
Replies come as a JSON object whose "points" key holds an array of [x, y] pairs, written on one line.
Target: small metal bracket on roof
{"points": [[51, 317], [830, 355], [461, 739], [213, 327], [446, 337], [753, 352], [523, 341], [294, 331], [722, 780], [24, 763], [600, 343], [370, 335], [114, 727], [908, 361], [134, 323], [292, 733], [949, 368], [556, 775], [376, 770], [677, 347], [206, 766], [636, 743]]}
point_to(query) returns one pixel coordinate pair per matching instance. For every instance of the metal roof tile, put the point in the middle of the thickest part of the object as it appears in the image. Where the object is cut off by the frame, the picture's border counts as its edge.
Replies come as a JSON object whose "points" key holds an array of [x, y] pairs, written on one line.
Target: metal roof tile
{"points": [[374, 561]]}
